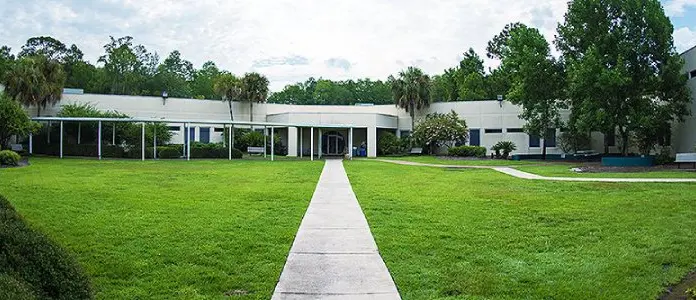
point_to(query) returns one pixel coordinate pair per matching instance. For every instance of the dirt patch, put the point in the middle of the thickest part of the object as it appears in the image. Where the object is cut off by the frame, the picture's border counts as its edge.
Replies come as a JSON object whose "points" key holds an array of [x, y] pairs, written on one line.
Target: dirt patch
{"points": [[684, 290], [597, 168]]}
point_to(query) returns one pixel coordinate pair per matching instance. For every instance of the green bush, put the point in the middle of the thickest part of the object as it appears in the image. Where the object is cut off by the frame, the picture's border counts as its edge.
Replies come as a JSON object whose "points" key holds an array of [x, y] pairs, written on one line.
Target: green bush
{"points": [[506, 147], [200, 150], [112, 151], [571, 142], [168, 152], [664, 157], [32, 266], [467, 151], [389, 144], [9, 158], [14, 120]]}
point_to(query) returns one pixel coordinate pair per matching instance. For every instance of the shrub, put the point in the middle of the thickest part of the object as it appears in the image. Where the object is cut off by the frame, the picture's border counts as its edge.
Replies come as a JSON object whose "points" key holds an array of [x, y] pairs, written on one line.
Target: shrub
{"points": [[467, 151], [200, 150], [389, 144], [665, 156], [9, 158], [32, 265], [439, 130], [506, 147], [14, 120], [168, 152], [571, 142]]}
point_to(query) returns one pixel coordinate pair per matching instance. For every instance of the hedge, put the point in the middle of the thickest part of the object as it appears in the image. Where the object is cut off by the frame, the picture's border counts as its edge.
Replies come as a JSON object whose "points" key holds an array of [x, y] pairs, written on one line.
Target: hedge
{"points": [[467, 151], [198, 150], [9, 158], [34, 267]]}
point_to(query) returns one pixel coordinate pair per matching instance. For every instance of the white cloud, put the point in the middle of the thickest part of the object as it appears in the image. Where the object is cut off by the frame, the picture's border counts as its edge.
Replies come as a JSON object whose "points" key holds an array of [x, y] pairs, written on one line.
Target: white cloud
{"points": [[288, 40], [676, 8], [684, 39]]}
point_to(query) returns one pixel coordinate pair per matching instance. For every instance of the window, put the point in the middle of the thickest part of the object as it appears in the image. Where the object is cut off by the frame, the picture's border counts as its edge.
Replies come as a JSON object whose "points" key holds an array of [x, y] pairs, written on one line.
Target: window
{"points": [[693, 74], [405, 133], [174, 128], [534, 141], [551, 141], [515, 130], [494, 130], [217, 129], [475, 137]]}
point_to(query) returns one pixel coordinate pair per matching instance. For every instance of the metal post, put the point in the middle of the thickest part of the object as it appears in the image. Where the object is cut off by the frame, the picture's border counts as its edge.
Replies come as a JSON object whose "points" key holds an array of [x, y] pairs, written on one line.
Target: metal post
{"points": [[311, 143], [188, 141], [48, 135], [232, 135], [113, 134], [264, 140], [99, 139], [31, 143], [79, 132], [154, 142], [350, 142], [272, 142], [142, 144], [319, 142], [229, 143], [61, 139], [301, 129]]}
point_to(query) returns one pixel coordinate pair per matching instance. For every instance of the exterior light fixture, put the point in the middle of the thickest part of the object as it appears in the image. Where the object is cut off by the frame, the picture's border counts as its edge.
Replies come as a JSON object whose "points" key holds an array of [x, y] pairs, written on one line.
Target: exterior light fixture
{"points": [[500, 100], [164, 97]]}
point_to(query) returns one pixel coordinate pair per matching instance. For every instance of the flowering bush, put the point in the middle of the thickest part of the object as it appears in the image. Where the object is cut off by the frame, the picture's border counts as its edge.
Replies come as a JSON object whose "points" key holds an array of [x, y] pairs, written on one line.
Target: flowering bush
{"points": [[438, 130]]}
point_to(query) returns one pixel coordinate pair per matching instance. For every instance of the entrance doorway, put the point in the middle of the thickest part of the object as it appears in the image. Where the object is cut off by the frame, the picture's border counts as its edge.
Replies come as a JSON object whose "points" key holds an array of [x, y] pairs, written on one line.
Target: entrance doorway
{"points": [[332, 143]]}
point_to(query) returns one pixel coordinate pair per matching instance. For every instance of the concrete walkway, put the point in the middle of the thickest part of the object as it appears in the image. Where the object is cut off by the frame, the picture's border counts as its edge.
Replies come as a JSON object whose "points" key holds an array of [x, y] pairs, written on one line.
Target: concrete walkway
{"points": [[334, 255], [525, 175]]}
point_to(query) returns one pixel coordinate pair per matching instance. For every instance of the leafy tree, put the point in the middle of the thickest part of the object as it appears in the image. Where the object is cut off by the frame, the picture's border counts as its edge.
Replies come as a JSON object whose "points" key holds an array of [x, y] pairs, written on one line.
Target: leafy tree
{"points": [[471, 63], [127, 66], [254, 90], [472, 87], [6, 60], [438, 130], [622, 66], [204, 81], [446, 86], [537, 78], [411, 91], [229, 88], [13, 120], [35, 80]]}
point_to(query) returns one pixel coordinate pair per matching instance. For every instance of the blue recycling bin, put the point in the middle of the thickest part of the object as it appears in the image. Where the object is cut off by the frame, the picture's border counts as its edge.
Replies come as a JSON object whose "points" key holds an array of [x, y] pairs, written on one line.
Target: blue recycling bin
{"points": [[363, 152]]}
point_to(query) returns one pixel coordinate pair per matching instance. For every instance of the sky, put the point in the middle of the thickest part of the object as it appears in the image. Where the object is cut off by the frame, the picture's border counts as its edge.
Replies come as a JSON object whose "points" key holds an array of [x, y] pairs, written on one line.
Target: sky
{"points": [[290, 41]]}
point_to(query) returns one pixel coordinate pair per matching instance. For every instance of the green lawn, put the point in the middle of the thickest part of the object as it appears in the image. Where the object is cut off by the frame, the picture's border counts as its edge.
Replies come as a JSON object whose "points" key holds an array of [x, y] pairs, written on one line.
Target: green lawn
{"points": [[564, 170], [426, 159], [168, 229], [479, 234]]}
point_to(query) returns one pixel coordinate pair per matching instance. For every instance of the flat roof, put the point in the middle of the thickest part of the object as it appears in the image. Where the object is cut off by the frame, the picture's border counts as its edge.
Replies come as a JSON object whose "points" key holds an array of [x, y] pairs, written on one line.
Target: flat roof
{"points": [[217, 122]]}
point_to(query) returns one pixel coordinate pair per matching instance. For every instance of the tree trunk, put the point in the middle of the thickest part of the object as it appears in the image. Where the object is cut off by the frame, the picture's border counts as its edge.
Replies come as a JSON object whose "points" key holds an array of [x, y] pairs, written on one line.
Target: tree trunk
{"points": [[38, 110], [231, 113], [624, 142], [251, 111], [543, 150], [606, 143]]}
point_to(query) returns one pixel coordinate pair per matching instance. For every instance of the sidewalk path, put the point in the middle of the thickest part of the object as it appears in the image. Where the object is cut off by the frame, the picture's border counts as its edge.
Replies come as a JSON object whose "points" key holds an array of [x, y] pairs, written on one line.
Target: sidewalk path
{"points": [[334, 255], [525, 175]]}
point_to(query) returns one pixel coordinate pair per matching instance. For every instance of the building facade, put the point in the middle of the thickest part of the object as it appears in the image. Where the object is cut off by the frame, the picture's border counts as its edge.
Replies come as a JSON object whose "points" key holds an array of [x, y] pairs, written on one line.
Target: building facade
{"points": [[489, 121]]}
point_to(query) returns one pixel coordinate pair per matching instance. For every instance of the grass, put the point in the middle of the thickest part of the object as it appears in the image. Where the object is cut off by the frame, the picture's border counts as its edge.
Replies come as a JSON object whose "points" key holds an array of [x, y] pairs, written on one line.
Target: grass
{"points": [[478, 234], [168, 229], [426, 159], [564, 170]]}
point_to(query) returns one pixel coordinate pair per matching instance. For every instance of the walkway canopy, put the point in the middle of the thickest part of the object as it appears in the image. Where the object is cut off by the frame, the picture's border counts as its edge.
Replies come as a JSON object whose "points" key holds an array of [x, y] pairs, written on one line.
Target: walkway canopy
{"points": [[228, 124]]}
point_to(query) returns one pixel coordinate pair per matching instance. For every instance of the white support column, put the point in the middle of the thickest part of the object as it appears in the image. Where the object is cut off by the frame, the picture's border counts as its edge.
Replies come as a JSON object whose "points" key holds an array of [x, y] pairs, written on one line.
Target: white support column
{"points": [[272, 142], [61, 139], [311, 143], [79, 132], [113, 134], [371, 141], [350, 143], [232, 135], [229, 142], [188, 141], [142, 143], [292, 141], [301, 140], [319, 142], [31, 143], [154, 142], [99, 139], [265, 135]]}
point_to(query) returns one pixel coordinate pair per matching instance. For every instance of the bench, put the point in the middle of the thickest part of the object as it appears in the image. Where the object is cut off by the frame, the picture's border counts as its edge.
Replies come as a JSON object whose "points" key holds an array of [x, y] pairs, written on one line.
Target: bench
{"points": [[685, 158], [17, 147], [255, 150], [416, 151]]}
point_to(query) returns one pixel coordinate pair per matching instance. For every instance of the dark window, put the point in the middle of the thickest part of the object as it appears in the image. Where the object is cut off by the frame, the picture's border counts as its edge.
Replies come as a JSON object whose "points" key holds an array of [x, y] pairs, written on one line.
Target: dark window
{"points": [[494, 130], [515, 130], [174, 128], [534, 141], [693, 74], [551, 140], [475, 137], [610, 139], [204, 135], [405, 133], [217, 129]]}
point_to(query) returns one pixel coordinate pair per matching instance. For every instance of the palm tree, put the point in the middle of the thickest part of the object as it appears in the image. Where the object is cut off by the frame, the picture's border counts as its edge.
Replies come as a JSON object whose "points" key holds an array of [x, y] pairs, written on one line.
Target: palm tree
{"points": [[254, 89], [35, 80], [411, 91], [229, 87]]}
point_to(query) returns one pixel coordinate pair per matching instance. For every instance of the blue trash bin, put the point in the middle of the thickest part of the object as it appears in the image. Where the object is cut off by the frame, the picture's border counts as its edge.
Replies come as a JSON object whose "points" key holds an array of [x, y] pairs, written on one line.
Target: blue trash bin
{"points": [[363, 152]]}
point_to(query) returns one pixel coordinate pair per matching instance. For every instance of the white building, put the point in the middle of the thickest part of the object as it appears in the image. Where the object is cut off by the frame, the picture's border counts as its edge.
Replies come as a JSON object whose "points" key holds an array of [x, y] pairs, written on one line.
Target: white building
{"points": [[489, 121]]}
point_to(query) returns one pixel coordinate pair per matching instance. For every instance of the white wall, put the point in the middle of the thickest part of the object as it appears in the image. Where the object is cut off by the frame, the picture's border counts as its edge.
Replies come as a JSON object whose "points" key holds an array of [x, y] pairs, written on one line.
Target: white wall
{"points": [[685, 135]]}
